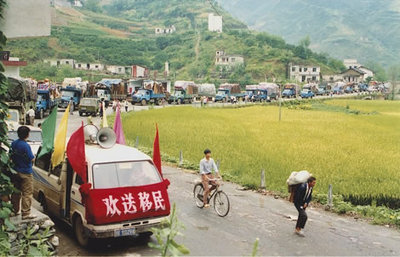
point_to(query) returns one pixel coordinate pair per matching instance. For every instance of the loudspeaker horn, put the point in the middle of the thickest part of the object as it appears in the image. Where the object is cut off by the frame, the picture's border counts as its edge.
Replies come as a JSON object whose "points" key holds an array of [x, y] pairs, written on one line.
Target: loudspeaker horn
{"points": [[90, 132], [106, 137]]}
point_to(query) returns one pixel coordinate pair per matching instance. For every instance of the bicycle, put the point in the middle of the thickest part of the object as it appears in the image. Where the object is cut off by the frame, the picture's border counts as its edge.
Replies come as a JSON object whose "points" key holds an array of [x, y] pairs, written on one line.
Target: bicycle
{"points": [[220, 198]]}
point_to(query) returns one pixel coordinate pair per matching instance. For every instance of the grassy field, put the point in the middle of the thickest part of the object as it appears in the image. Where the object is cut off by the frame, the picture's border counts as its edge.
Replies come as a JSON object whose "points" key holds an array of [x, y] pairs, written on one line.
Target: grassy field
{"points": [[359, 154]]}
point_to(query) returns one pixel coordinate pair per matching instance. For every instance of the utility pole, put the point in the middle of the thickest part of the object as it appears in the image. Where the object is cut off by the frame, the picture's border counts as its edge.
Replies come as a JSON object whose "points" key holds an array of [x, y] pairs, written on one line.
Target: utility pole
{"points": [[280, 102]]}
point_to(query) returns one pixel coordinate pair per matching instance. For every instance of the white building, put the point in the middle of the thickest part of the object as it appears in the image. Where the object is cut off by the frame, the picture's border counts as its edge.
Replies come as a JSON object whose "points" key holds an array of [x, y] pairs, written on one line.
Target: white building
{"points": [[222, 59], [78, 3], [168, 30], [69, 62], [11, 67], [89, 66], [115, 69], [353, 63], [214, 23], [304, 73]]}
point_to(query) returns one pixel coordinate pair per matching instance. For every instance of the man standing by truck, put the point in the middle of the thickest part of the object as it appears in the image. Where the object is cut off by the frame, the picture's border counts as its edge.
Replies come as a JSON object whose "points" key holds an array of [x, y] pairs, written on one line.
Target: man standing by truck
{"points": [[22, 159], [31, 115], [207, 166]]}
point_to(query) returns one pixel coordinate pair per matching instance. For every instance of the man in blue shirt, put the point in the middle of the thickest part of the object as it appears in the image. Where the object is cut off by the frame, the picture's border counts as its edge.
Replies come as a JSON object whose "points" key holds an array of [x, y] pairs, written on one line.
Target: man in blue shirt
{"points": [[22, 159]]}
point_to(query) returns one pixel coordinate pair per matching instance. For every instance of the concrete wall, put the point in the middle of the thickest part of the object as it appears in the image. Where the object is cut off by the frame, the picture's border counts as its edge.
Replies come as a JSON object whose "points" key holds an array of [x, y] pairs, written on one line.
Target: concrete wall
{"points": [[26, 18]]}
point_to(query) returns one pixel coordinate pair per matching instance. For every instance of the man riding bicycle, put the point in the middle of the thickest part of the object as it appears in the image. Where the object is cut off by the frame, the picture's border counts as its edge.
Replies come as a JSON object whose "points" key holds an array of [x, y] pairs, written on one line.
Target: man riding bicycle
{"points": [[207, 166]]}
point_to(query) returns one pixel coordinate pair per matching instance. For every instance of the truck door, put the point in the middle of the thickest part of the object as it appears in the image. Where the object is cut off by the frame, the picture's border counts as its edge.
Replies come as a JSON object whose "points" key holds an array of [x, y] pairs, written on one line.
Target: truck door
{"points": [[76, 198]]}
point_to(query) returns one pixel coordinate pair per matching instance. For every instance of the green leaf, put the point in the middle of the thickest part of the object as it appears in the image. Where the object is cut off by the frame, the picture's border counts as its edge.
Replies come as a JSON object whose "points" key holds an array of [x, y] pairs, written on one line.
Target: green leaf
{"points": [[34, 251], [9, 225], [181, 248]]}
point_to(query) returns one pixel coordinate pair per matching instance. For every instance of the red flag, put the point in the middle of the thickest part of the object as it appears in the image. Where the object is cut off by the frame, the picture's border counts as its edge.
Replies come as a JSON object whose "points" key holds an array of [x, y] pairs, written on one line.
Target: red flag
{"points": [[156, 152], [76, 153]]}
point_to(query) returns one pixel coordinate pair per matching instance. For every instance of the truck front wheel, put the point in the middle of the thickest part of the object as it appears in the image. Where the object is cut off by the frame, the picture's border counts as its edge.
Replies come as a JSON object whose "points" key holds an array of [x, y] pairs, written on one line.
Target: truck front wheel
{"points": [[144, 102], [79, 231], [160, 102], [179, 101]]}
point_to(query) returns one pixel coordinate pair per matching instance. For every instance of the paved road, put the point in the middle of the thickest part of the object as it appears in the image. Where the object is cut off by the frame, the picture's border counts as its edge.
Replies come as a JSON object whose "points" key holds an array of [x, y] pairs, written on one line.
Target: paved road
{"points": [[252, 216]]}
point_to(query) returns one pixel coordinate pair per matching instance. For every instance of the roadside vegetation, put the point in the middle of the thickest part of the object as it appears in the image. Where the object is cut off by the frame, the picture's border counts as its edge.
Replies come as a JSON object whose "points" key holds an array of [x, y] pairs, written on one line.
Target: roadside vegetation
{"points": [[352, 144]]}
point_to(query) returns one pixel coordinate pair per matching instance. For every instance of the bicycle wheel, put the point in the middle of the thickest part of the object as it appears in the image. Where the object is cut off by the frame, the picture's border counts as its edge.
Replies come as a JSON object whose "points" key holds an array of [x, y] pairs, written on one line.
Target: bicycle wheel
{"points": [[221, 204], [198, 193]]}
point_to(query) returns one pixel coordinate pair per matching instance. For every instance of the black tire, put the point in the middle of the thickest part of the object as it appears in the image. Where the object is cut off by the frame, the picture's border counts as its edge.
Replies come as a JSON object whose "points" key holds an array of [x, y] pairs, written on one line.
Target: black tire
{"points": [[198, 193], [43, 202], [143, 102], [180, 101], [221, 204], [80, 113], [80, 234], [160, 102]]}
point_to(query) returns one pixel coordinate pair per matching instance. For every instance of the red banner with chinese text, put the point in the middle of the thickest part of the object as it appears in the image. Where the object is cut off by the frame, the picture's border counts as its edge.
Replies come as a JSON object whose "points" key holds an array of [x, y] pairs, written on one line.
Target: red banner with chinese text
{"points": [[105, 206]]}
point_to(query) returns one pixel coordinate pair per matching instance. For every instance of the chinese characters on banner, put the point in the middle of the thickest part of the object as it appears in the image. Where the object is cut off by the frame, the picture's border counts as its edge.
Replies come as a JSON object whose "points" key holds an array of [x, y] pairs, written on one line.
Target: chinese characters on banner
{"points": [[112, 205], [129, 203]]}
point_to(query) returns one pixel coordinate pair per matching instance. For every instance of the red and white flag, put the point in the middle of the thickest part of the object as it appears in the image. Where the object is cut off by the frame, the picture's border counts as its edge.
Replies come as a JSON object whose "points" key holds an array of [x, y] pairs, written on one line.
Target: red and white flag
{"points": [[156, 152]]}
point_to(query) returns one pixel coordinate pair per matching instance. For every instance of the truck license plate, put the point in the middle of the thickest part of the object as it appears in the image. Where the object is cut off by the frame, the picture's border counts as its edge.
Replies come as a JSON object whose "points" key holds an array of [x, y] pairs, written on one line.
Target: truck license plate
{"points": [[125, 232]]}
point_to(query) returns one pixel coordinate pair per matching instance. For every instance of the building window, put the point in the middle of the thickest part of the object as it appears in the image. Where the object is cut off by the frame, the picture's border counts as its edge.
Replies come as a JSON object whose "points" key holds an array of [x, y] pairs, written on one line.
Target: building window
{"points": [[67, 62], [79, 65], [314, 78], [314, 69], [305, 69], [119, 69], [233, 59], [293, 68], [97, 66], [300, 69], [303, 78]]}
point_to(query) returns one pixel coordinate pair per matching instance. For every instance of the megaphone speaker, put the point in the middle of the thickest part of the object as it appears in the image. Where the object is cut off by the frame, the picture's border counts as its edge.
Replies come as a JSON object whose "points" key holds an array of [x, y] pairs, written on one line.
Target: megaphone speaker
{"points": [[106, 137], [90, 132]]}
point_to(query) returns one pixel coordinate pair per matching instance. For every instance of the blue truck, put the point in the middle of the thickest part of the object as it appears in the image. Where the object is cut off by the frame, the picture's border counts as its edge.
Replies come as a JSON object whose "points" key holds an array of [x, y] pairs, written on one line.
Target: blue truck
{"points": [[307, 93], [45, 102], [146, 96], [290, 91], [229, 93], [68, 93]]}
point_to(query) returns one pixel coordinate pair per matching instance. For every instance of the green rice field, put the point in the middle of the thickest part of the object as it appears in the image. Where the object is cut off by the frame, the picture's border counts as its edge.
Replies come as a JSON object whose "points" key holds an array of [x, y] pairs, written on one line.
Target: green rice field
{"points": [[352, 144]]}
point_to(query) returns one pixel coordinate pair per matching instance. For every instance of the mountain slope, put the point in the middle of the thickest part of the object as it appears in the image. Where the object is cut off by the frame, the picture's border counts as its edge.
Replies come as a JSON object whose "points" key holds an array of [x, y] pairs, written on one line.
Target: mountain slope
{"points": [[368, 30], [121, 32]]}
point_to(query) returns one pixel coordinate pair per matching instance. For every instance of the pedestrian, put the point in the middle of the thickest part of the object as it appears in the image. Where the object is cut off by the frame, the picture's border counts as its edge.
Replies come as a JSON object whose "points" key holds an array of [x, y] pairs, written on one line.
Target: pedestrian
{"points": [[205, 100], [101, 109], [114, 105], [39, 125], [71, 106], [22, 159], [31, 115], [126, 105], [301, 201]]}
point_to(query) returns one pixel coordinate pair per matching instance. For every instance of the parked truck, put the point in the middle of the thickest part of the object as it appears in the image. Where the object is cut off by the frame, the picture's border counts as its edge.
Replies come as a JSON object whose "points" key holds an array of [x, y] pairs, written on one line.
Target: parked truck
{"points": [[47, 98], [206, 90], [69, 93], [21, 96], [271, 90], [229, 93], [184, 92], [290, 91], [147, 96], [121, 194]]}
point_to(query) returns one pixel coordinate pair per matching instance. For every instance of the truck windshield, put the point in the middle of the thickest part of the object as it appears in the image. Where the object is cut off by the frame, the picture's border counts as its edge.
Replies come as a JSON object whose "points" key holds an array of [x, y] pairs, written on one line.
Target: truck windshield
{"points": [[178, 93], [304, 91], [221, 92], [286, 91], [89, 102], [13, 116], [65, 93], [141, 92], [124, 174], [39, 97]]}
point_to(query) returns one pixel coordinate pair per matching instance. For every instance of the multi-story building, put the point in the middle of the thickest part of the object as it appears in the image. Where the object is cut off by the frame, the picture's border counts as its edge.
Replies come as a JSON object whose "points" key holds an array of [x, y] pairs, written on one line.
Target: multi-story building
{"points": [[59, 62], [115, 69], [168, 30], [90, 66], [231, 60], [304, 73], [214, 23]]}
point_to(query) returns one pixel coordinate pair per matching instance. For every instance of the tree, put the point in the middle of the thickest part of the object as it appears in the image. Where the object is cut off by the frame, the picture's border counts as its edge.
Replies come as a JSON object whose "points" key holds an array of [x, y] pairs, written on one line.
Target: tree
{"points": [[93, 5], [305, 42]]}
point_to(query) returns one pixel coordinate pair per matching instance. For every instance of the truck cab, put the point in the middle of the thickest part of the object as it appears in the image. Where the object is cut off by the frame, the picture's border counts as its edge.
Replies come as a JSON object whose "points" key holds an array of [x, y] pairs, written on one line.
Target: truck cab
{"points": [[125, 196], [306, 93], [180, 96], [223, 95], [145, 96], [68, 93]]}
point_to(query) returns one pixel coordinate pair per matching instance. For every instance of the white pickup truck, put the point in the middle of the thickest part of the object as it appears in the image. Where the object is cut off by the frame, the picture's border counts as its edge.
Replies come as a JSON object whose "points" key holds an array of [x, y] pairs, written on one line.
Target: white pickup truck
{"points": [[127, 194]]}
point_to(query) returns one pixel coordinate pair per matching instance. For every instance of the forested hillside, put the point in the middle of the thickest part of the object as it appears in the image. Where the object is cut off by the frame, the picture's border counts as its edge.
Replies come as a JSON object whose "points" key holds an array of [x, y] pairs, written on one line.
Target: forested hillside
{"points": [[368, 30], [121, 32]]}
